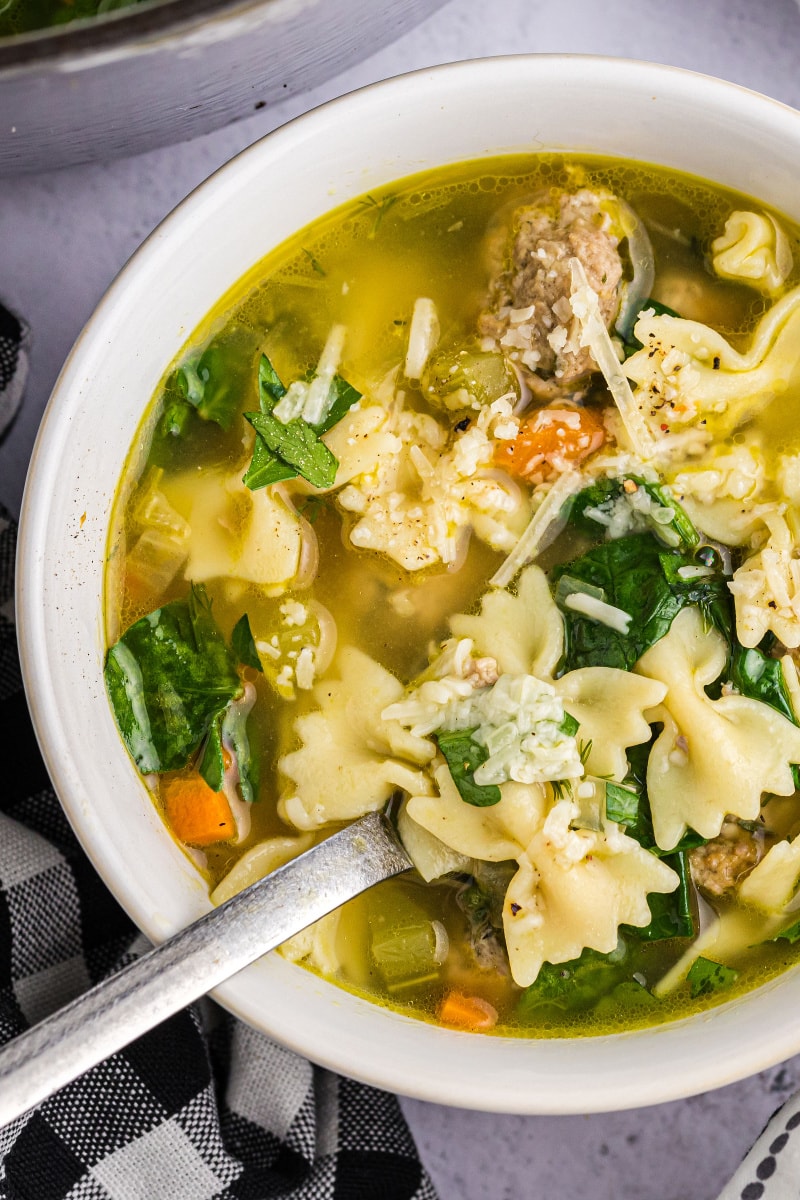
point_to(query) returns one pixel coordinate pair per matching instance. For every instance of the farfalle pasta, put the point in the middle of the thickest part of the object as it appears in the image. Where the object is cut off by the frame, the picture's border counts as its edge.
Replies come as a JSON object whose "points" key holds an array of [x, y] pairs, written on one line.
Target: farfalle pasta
{"points": [[480, 506]]}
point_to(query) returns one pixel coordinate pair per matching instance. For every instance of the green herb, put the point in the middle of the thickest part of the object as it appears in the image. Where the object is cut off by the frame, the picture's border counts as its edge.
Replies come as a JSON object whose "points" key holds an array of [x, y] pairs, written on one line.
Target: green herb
{"points": [[243, 644], [638, 576], [463, 757], [622, 804], [671, 913], [631, 344], [315, 263], [168, 677], [790, 934], [577, 985], [218, 382], [228, 732], [312, 507], [705, 977], [298, 446], [380, 209], [569, 725], [630, 994], [286, 451], [757, 675], [680, 531]]}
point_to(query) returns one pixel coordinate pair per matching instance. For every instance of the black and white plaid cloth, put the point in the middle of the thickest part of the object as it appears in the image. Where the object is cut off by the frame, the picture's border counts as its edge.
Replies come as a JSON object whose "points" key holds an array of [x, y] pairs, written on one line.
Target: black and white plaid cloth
{"points": [[202, 1108]]}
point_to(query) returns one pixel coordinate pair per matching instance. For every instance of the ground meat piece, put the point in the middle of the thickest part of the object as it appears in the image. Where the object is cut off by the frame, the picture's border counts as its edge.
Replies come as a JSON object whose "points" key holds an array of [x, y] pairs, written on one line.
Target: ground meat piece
{"points": [[483, 672], [721, 864], [529, 314]]}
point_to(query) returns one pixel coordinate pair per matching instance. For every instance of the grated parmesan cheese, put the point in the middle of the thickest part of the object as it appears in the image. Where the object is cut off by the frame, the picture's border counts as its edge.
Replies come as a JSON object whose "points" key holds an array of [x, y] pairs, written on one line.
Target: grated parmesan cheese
{"points": [[422, 336], [595, 336], [545, 524], [600, 611]]}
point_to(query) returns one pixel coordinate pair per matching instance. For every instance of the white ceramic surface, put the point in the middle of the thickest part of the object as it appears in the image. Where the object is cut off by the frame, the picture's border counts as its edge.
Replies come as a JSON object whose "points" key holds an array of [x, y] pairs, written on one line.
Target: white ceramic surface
{"points": [[394, 129]]}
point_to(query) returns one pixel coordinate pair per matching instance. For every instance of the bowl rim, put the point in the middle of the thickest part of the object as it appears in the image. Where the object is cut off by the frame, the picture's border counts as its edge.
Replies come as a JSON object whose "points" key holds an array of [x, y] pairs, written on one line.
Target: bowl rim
{"points": [[500, 1084]]}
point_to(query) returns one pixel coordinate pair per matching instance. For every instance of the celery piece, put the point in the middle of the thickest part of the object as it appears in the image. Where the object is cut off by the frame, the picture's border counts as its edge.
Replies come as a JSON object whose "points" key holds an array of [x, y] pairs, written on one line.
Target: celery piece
{"points": [[403, 943]]}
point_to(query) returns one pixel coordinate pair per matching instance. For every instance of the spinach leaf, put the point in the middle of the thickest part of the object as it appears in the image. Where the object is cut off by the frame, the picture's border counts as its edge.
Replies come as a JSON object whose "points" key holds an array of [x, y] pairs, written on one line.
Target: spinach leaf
{"points": [[631, 344], [587, 507], [640, 577], [672, 913], [757, 675], [706, 976], [265, 467], [168, 677], [218, 382], [569, 725], [275, 454], [463, 757], [622, 804], [228, 735], [298, 447], [243, 645], [790, 934], [576, 985]]}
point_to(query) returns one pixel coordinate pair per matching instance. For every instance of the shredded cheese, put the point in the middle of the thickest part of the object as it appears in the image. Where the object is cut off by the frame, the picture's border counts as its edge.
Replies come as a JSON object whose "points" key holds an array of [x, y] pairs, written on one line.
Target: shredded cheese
{"points": [[545, 523], [422, 336], [600, 611], [595, 336]]}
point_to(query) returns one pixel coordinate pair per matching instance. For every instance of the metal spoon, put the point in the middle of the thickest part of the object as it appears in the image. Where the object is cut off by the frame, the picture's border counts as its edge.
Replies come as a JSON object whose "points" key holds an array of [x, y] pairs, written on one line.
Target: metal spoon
{"points": [[186, 966]]}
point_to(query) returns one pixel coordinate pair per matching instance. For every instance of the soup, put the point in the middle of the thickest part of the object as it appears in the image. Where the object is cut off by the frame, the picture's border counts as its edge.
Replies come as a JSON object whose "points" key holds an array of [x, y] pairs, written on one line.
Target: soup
{"points": [[475, 502]]}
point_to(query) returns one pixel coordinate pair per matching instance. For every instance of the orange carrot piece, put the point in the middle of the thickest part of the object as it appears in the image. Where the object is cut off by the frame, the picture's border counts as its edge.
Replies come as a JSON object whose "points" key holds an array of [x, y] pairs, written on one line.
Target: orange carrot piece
{"points": [[552, 439], [196, 813], [467, 1012]]}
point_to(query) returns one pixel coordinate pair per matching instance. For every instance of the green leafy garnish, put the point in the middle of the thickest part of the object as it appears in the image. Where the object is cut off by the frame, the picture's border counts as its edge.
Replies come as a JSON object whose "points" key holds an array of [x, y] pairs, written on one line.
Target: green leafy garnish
{"points": [[586, 510], [757, 675], [218, 382], [569, 725], [672, 913], [463, 757], [577, 985], [790, 934], [706, 976], [229, 732], [315, 263], [380, 209], [297, 445], [631, 344], [243, 643], [639, 576], [622, 804], [168, 677], [286, 451]]}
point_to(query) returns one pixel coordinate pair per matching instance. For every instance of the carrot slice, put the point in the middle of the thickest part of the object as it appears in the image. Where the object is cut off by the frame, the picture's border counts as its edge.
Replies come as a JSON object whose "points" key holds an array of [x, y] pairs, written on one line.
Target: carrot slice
{"points": [[551, 440], [196, 813], [467, 1012]]}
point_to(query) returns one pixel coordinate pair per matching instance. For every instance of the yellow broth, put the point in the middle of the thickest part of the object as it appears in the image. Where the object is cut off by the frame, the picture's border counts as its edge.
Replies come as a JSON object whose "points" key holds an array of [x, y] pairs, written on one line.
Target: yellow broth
{"points": [[364, 266]]}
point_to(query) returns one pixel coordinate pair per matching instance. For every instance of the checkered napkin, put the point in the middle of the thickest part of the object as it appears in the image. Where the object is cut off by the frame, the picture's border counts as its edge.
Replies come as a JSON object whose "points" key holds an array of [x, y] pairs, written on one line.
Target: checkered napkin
{"points": [[202, 1108]]}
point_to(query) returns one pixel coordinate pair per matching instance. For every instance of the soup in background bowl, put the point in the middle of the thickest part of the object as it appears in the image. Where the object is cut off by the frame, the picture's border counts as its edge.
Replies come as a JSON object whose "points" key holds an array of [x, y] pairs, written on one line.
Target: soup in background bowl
{"points": [[395, 293]]}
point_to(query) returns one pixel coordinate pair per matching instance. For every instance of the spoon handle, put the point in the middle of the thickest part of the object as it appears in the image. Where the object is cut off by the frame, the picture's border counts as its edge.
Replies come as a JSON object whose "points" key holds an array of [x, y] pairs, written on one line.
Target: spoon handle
{"points": [[195, 960]]}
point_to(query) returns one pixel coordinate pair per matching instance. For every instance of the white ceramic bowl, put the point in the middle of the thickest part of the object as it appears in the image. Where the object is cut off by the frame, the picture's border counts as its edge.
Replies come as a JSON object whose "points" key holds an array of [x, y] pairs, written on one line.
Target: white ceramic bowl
{"points": [[342, 150]]}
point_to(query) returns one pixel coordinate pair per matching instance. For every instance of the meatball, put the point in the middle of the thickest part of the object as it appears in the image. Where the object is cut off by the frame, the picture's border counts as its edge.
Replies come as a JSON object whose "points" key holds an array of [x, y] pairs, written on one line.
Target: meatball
{"points": [[529, 313], [721, 864]]}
